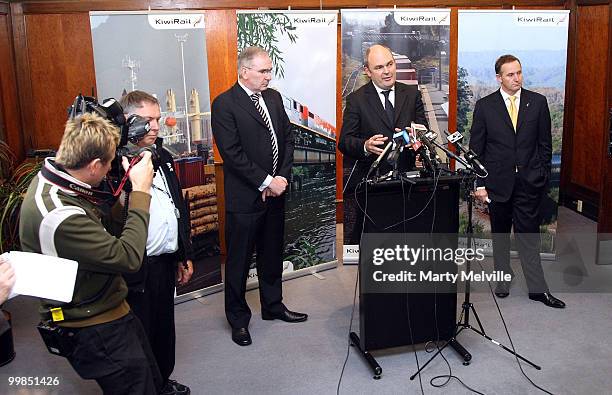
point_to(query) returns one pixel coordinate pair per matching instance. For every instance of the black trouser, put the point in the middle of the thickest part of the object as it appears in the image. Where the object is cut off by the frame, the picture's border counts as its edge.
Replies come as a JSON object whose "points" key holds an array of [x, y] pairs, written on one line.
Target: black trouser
{"points": [[521, 211], [155, 309], [117, 355], [263, 230]]}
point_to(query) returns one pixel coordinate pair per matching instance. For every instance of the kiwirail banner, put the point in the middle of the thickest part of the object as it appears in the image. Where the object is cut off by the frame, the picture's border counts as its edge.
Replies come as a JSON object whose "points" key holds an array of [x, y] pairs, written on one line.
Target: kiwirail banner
{"points": [[420, 42], [303, 48], [164, 54], [538, 38]]}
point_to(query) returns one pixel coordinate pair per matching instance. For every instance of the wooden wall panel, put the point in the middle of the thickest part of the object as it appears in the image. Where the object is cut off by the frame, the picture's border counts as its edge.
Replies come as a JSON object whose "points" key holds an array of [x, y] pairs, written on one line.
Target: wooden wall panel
{"points": [[70, 6], [222, 47], [565, 186], [452, 70], [10, 130], [60, 56], [590, 96], [339, 157], [605, 203]]}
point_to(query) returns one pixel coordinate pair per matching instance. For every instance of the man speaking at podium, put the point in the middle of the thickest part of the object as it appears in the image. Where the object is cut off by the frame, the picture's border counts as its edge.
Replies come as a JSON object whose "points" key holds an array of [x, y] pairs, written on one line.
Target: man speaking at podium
{"points": [[371, 116], [511, 134], [375, 111]]}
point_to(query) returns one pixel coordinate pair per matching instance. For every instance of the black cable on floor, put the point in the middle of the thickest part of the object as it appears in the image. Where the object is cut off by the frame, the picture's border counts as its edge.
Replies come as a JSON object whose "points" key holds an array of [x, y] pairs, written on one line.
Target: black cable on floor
{"points": [[510, 338], [450, 375], [416, 357], [348, 346]]}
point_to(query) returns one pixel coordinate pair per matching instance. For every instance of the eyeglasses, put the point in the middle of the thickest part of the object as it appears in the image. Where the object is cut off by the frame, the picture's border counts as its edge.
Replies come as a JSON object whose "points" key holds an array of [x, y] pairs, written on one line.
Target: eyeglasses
{"points": [[264, 71]]}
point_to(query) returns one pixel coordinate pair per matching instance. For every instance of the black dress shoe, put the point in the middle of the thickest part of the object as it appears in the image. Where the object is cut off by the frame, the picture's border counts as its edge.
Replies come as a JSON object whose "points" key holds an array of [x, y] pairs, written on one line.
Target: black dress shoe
{"points": [[548, 300], [241, 336], [285, 315], [173, 387], [502, 289]]}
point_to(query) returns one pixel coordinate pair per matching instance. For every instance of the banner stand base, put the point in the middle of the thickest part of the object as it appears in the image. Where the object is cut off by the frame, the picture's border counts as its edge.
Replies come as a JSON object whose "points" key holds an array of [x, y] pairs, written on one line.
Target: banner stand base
{"points": [[199, 293], [354, 341]]}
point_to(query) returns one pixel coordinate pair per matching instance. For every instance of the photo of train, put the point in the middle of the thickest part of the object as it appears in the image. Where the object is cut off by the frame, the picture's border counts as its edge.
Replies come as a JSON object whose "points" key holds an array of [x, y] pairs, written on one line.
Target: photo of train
{"points": [[315, 138]]}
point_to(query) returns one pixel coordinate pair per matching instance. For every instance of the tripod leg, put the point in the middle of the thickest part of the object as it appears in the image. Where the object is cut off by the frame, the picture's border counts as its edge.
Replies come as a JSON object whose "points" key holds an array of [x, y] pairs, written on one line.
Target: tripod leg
{"points": [[477, 318], [505, 348], [449, 341]]}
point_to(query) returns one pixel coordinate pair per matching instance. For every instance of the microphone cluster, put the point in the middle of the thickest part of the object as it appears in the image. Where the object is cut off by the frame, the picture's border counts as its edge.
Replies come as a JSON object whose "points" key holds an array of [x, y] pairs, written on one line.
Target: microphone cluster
{"points": [[423, 141]]}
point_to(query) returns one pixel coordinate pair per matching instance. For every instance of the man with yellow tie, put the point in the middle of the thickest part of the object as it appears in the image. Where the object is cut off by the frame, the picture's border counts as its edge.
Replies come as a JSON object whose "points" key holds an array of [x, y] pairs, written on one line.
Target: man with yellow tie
{"points": [[511, 135]]}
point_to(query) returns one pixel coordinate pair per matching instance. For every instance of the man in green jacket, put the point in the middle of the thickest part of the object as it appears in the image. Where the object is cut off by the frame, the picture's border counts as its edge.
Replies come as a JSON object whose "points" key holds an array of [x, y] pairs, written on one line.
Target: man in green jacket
{"points": [[61, 216]]}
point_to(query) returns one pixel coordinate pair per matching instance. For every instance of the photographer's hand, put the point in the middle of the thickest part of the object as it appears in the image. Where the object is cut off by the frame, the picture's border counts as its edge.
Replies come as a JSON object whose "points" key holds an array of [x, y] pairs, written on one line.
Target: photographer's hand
{"points": [[141, 174], [7, 279]]}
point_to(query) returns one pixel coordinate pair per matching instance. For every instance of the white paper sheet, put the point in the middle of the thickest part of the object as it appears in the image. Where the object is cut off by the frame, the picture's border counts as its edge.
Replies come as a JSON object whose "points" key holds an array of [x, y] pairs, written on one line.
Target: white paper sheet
{"points": [[42, 276]]}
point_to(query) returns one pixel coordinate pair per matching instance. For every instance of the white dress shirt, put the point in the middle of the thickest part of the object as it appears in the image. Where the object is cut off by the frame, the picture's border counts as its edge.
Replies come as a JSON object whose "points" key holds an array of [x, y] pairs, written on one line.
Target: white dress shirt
{"points": [[381, 97], [163, 223]]}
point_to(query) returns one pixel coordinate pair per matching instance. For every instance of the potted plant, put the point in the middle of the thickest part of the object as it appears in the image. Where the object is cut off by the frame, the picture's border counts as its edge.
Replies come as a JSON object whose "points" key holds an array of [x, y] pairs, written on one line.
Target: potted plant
{"points": [[14, 182]]}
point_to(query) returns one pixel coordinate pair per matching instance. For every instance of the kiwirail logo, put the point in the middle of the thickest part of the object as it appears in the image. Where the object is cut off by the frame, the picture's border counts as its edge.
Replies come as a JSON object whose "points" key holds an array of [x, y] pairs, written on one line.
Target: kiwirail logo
{"points": [[417, 18], [542, 19], [176, 21], [313, 19]]}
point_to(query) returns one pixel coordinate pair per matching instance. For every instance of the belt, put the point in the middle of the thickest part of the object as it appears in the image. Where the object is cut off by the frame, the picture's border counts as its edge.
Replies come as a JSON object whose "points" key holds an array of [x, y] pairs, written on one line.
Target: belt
{"points": [[162, 258]]}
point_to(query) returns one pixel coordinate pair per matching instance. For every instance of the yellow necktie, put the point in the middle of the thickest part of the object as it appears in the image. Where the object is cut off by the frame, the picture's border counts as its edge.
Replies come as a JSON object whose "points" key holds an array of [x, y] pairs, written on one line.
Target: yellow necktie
{"points": [[513, 112]]}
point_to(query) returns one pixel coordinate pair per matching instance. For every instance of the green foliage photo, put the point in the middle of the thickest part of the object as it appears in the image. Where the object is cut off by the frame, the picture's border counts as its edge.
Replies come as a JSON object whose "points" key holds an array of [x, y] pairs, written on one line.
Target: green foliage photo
{"points": [[261, 30]]}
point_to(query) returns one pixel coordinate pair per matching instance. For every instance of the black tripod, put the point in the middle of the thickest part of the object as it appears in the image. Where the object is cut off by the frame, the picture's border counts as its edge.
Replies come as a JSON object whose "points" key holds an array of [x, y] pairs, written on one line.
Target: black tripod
{"points": [[467, 306]]}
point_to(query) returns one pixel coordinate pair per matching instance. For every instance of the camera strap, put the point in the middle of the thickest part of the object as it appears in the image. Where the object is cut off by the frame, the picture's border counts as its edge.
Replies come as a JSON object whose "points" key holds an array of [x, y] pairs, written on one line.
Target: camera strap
{"points": [[93, 195]]}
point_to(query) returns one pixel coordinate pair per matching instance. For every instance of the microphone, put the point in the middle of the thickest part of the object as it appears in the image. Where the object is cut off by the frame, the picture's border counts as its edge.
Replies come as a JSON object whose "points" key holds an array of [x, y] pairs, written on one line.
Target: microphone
{"points": [[377, 161], [469, 155], [401, 137], [430, 137], [454, 137], [400, 140], [413, 140], [425, 138]]}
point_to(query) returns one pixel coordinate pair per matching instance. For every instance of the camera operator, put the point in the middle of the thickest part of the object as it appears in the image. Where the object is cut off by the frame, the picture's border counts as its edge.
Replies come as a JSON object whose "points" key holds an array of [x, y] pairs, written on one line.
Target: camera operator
{"points": [[61, 216]]}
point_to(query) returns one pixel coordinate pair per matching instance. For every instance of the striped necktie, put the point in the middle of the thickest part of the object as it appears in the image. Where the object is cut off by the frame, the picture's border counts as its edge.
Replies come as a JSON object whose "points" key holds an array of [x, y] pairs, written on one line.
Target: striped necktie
{"points": [[255, 98]]}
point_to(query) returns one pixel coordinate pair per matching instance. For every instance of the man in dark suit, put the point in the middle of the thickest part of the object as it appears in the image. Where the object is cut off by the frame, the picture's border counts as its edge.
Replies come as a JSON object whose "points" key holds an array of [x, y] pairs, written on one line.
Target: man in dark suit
{"points": [[371, 116], [511, 134], [377, 110], [255, 140]]}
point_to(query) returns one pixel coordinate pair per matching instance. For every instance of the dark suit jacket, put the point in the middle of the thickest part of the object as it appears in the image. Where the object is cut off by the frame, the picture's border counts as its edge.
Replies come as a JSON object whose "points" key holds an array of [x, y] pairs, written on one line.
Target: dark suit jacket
{"points": [[364, 116], [4, 324], [502, 151], [244, 143]]}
